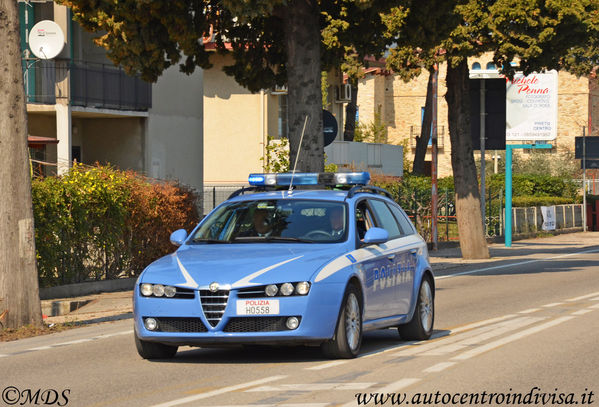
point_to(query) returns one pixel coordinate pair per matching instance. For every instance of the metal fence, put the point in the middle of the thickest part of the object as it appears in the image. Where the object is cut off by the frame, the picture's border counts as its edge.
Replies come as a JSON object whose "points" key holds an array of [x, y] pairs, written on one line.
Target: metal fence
{"points": [[530, 220], [215, 195], [525, 220]]}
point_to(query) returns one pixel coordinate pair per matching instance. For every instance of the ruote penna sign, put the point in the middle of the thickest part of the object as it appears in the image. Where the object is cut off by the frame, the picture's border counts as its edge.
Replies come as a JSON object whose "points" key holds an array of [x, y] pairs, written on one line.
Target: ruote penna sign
{"points": [[531, 107]]}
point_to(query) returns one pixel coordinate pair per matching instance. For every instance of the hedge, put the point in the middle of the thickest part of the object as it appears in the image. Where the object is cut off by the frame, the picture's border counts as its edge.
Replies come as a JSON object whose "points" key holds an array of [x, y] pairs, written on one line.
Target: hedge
{"points": [[101, 223], [526, 201]]}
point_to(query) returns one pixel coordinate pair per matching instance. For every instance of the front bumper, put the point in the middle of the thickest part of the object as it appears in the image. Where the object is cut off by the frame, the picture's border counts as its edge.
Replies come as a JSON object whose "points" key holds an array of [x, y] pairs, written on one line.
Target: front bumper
{"points": [[184, 321]]}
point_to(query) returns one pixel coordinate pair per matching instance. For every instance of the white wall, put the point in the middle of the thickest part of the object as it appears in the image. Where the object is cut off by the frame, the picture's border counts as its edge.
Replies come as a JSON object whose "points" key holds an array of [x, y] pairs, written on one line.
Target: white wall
{"points": [[174, 132]]}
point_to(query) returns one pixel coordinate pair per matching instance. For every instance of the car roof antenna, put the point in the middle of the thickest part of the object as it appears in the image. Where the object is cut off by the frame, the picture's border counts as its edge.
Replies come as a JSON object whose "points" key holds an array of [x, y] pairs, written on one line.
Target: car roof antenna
{"points": [[297, 156]]}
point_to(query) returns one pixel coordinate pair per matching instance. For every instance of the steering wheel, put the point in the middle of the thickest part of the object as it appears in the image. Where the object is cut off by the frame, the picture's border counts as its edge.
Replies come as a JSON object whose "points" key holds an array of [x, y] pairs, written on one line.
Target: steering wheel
{"points": [[316, 233]]}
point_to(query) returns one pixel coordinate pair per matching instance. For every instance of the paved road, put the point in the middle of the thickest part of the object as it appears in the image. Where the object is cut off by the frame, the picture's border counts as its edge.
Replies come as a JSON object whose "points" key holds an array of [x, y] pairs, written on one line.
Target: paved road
{"points": [[523, 327]]}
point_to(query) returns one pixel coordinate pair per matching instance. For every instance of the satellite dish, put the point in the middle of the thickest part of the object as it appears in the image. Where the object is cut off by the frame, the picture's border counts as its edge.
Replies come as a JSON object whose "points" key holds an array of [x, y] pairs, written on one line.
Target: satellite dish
{"points": [[46, 39]]}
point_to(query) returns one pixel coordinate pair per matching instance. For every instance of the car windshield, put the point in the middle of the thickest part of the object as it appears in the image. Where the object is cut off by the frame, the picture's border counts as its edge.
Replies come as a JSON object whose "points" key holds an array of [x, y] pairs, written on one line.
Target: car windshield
{"points": [[276, 220]]}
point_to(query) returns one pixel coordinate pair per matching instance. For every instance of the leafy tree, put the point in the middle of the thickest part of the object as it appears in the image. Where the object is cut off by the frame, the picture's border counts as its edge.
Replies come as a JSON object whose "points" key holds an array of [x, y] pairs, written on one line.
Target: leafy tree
{"points": [[537, 34], [271, 41], [19, 295]]}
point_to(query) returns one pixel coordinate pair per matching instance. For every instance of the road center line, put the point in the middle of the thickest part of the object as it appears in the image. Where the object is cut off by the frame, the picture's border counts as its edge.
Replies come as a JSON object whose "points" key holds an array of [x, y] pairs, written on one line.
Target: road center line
{"points": [[553, 304], [529, 311], [327, 365], [501, 266], [503, 341], [439, 367], [217, 392], [583, 297]]}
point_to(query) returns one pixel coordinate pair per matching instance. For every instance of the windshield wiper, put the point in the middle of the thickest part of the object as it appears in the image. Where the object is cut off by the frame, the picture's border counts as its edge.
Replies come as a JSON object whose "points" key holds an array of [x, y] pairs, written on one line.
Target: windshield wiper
{"points": [[203, 240], [260, 239]]}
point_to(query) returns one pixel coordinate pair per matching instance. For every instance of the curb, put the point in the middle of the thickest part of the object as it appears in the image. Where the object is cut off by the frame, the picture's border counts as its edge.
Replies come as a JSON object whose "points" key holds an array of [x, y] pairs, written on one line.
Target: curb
{"points": [[83, 289]]}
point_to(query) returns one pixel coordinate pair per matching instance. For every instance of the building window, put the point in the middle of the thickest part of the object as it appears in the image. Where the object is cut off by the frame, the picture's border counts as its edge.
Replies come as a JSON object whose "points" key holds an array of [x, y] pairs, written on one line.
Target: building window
{"points": [[475, 66], [282, 124], [491, 65]]}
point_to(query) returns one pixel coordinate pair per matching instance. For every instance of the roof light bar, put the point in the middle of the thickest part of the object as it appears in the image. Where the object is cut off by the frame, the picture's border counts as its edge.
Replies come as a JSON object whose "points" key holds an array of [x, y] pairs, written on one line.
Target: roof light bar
{"points": [[310, 178]]}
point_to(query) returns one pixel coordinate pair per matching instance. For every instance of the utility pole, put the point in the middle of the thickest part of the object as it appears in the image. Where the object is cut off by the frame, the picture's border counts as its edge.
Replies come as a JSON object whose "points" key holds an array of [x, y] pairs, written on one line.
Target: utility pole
{"points": [[482, 154], [584, 180], [434, 188]]}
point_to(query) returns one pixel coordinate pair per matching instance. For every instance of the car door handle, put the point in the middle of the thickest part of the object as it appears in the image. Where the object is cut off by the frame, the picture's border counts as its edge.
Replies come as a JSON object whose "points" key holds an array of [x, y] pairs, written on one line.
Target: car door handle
{"points": [[413, 251], [391, 257]]}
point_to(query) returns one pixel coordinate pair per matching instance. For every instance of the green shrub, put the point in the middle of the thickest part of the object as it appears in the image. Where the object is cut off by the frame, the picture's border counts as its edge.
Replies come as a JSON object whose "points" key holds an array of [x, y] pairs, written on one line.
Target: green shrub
{"points": [[525, 201], [101, 223]]}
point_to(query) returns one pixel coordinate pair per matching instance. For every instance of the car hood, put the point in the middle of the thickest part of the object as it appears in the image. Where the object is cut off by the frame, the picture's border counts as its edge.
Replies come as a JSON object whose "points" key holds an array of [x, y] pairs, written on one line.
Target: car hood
{"points": [[240, 265]]}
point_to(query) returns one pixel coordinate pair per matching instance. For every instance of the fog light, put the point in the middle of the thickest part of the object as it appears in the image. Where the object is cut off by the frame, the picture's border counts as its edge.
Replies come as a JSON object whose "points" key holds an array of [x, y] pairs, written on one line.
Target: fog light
{"points": [[271, 290], [170, 291], [292, 323], [151, 324], [146, 289], [302, 288], [287, 289], [158, 290]]}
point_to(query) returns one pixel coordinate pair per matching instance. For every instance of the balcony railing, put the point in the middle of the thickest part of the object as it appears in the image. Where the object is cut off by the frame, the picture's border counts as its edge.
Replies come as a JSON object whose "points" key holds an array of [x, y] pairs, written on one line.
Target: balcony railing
{"points": [[91, 85]]}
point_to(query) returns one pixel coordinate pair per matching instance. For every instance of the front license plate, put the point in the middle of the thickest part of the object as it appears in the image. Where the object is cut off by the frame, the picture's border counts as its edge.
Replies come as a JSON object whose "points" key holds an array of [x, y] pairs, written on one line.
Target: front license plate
{"points": [[257, 307]]}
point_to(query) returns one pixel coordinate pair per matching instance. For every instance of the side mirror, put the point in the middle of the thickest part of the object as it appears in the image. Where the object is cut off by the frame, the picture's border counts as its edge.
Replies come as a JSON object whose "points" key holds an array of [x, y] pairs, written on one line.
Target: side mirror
{"points": [[376, 236], [178, 237]]}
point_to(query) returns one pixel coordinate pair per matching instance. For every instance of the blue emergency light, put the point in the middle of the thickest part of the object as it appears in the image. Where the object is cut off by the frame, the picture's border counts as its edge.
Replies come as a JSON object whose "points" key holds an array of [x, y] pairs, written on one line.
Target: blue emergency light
{"points": [[310, 178]]}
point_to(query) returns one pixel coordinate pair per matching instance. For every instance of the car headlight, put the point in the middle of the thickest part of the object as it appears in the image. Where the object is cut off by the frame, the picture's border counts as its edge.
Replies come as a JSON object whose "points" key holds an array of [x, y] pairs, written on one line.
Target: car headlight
{"points": [[302, 288], [287, 289], [170, 291], [146, 289], [158, 290], [271, 290]]}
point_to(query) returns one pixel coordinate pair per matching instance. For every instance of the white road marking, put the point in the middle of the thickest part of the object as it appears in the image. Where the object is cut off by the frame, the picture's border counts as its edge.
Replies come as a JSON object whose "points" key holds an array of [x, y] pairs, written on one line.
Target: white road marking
{"points": [[480, 323], [529, 311], [582, 311], [311, 387], [498, 330], [431, 346], [327, 365], [74, 342], [217, 392], [501, 266], [595, 299], [39, 348], [439, 367], [500, 342], [4, 356], [553, 304], [583, 297], [596, 306]]}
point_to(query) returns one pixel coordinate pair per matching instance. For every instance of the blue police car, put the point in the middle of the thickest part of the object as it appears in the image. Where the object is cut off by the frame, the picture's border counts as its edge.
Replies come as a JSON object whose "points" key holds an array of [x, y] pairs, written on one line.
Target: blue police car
{"points": [[317, 264]]}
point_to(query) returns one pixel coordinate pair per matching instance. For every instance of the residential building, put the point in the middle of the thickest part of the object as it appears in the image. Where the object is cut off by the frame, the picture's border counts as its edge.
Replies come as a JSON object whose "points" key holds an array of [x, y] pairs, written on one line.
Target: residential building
{"points": [[400, 105], [81, 107]]}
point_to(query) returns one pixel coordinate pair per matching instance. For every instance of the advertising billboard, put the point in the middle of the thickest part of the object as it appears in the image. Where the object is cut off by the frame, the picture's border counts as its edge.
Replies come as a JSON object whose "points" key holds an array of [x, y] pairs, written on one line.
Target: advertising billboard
{"points": [[531, 107]]}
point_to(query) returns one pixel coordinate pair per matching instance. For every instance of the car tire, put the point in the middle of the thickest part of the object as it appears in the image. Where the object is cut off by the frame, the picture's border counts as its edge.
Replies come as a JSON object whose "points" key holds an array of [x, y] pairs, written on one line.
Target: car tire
{"points": [[154, 350], [421, 325], [348, 334]]}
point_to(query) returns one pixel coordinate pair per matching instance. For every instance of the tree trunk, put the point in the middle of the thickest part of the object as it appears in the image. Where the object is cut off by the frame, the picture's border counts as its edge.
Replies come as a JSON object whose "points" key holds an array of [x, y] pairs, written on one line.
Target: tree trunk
{"points": [[19, 294], [303, 82], [350, 113], [472, 239], [425, 130]]}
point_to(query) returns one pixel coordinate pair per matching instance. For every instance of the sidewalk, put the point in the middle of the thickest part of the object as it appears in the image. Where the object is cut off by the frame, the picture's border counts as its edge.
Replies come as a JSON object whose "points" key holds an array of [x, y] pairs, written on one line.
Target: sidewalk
{"points": [[118, 305]]}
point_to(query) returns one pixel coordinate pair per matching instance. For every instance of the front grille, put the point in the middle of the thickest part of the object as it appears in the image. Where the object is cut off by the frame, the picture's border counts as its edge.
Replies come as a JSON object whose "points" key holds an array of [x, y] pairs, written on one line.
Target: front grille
{"points": [[184, 293], [214, 304], [181, 325], [257, 324]]}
